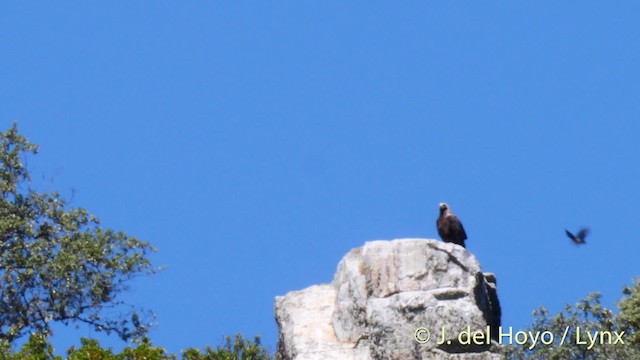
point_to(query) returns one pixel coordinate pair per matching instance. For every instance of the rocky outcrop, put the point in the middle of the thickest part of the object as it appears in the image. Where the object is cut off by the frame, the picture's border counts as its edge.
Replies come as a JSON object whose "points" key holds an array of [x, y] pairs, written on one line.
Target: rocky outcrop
{"points": [[386, 298]]}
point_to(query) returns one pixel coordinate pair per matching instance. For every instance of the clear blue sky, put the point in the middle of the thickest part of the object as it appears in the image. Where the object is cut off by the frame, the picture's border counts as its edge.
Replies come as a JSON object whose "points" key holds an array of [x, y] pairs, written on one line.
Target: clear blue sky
{"points": [[255, 144]]}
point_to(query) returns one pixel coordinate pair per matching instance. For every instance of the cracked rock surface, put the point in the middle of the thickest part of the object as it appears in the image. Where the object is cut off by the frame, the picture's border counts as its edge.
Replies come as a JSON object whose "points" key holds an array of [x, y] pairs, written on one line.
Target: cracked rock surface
{"points": [[381, 294]]}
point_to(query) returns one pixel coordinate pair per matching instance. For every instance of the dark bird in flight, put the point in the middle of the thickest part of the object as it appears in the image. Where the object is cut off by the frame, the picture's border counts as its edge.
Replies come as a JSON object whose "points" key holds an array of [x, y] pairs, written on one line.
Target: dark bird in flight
{"points": [[579, 238], [449, 226]]}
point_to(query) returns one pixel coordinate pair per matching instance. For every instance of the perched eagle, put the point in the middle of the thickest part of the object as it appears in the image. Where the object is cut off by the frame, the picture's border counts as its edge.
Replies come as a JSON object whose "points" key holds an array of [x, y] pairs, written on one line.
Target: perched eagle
{"points": [[579, 238], [449, 226]]}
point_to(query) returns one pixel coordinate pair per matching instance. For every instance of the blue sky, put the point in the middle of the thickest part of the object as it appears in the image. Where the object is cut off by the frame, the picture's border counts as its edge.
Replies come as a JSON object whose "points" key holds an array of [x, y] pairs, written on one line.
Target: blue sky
{"points": [[254, 144]]}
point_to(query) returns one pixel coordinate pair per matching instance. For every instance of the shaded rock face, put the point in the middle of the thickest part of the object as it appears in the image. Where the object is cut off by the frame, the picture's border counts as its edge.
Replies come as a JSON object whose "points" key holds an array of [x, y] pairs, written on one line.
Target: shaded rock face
{"points": [[382, 293]]}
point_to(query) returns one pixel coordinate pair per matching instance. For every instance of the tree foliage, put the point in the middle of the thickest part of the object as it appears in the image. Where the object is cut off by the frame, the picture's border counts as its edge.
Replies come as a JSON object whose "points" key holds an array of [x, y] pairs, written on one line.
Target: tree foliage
{"points": [[56, 263], [614, 336], [629, 316], [233, 349], [38, 348]]}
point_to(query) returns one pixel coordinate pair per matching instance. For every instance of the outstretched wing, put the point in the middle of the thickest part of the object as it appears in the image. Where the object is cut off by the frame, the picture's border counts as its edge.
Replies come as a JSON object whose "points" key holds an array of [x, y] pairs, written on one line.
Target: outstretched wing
{"points": [[570, 235], [582, 233]]}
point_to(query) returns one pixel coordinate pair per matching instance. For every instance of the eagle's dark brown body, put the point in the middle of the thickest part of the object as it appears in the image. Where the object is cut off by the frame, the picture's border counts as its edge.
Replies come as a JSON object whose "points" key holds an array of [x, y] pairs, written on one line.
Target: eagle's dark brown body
{"points": [[449, 226]]}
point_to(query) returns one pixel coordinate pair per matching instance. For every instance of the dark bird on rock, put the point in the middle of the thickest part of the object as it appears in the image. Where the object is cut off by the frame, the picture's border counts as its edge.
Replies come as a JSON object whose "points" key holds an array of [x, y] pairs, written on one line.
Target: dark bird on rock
{"points": [[578, 239], [449, 226]]}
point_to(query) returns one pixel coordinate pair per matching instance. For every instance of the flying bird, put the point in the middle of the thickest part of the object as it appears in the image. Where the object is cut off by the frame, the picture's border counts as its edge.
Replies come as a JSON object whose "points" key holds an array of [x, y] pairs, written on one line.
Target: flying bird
{"points": [[449, 226], [578, 239]]}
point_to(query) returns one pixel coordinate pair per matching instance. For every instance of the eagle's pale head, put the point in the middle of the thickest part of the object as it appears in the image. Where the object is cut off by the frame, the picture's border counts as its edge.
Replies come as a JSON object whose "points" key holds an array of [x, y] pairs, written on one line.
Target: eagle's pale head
{"points": [[443, 207]]}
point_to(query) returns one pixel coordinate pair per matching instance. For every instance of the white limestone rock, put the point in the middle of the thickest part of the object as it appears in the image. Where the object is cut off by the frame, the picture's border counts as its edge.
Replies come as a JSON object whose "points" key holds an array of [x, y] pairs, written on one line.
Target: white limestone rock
{"points": [[380, 295]]}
